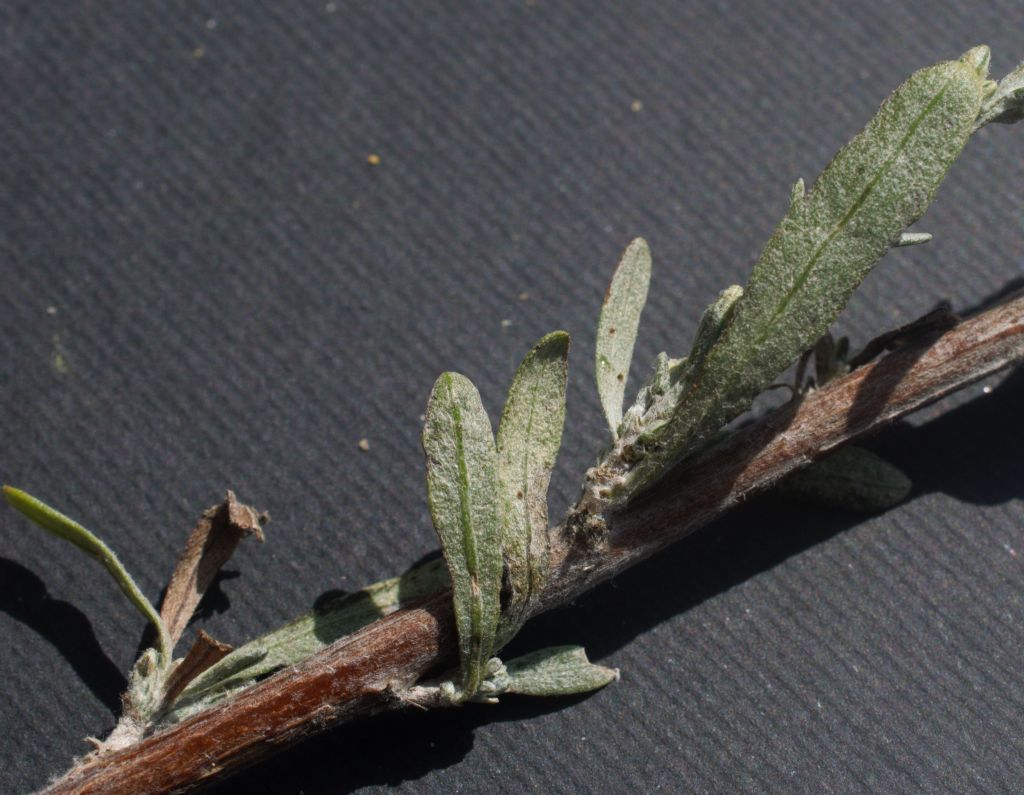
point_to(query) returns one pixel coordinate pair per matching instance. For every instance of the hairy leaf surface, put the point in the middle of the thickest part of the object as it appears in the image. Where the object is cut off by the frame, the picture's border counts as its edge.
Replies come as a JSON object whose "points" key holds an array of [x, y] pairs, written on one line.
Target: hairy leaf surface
{"points": [[1006, 105], [616, 330], [557, 671], [462, 489], [874, 188], [529, 435]]}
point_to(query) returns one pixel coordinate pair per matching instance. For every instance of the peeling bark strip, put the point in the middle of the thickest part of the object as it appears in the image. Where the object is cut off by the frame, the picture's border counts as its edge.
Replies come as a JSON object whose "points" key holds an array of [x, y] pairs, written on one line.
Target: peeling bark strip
{"points": [[366, 672], [210, 544]]}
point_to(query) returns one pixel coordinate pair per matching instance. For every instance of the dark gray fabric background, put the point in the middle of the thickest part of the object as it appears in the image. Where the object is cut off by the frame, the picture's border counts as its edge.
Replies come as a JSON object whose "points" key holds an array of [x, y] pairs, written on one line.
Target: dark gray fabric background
{"points": [[206, 286]]}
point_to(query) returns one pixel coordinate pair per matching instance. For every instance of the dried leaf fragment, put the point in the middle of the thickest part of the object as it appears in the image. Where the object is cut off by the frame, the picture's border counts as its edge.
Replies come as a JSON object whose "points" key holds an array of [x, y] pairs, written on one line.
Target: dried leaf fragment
{"points": [[210, 545], [205, 653]]}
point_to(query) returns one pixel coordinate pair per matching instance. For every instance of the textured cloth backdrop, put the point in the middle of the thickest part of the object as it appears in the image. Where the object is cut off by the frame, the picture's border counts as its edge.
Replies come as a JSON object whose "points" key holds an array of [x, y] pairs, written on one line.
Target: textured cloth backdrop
{"points": [[207, 285]]}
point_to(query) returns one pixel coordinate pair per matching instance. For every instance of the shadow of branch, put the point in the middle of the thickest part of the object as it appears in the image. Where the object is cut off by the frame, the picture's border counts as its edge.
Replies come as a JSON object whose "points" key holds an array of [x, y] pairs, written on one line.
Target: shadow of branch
{"points": [[24, 597]]}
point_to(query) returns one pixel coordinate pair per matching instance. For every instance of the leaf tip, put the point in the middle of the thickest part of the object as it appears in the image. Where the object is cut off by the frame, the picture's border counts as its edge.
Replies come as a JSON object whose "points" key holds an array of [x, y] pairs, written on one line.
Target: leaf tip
{"points": [[798, 193], [555, 343], [17, 498], [978, 58], [641, 249]]}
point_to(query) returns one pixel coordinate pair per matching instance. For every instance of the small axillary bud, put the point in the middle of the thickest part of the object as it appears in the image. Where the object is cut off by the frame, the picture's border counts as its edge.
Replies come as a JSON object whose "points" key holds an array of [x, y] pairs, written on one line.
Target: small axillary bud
{"points": [[979, 58]]}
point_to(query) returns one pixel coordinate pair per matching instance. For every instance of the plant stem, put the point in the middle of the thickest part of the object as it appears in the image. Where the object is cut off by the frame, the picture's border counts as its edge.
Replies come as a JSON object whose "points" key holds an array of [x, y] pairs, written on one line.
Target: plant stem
{"points": [[368, 671], [70, 530]]}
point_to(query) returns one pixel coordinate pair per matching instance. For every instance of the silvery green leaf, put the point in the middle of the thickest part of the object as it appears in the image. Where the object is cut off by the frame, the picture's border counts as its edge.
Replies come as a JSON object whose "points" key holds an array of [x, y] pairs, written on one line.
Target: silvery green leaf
{"points": [[616, 330], [241, 668], [557, 671], [306, 635], [462, 489], [912, 239], [712, 323], [529, 435], [656, 384], [874, 188], [70, 530], [978, 58], [1006, 105], [640, 424], [851, 478], [140, 702]]}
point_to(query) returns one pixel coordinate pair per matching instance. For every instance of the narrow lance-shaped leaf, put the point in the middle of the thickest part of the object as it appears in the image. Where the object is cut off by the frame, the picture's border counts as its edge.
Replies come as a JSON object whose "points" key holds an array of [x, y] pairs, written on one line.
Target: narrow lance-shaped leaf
{"points": [[557, 671], [672, 375], [616, 330], [874, 188], [462, 489], [70, 530], [851, 478], [713, 322], [529, 435], [304, 636]]}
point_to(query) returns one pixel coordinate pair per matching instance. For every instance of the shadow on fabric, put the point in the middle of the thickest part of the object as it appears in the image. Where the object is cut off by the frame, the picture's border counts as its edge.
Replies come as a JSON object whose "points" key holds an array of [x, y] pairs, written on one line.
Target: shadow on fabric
{"points": [[24, 597]]}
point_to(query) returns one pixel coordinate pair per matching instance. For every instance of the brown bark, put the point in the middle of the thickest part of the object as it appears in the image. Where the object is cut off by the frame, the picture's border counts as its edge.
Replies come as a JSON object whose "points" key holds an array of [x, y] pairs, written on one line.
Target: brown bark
{"points": [[362, 673]]}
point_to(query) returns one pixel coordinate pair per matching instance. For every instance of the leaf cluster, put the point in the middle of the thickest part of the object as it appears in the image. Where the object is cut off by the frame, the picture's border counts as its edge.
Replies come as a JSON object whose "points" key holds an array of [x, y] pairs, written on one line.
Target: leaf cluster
{"points": [[831, 237], [487, 492], [488, 501]]}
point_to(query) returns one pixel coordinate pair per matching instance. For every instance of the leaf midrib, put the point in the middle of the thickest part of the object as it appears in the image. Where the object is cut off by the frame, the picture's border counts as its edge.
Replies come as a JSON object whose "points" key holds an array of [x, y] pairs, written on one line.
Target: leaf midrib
{"points": [[468, 543], [802, 279]]}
